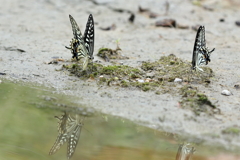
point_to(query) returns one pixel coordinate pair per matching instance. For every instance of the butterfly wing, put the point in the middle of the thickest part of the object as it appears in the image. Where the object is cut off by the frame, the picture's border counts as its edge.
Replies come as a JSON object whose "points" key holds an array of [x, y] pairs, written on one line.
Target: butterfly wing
{"points": [[62, 136], [85, 62], [62, 123], [61, 139], [89, 36], [74, 136], [202, 35], [78, 47], [197, 57], [73, 141], [76, 31], [206, 53]]}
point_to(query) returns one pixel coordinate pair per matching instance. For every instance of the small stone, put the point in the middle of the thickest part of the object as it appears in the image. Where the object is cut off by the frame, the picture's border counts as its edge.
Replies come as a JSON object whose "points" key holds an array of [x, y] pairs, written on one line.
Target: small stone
{"points": [[161, 119], [166, 23], [237, 86], [148, 80], [177, 80], [226, 92], [101, 76], [116, 78], [140, 80], [153, 15], [221, 20], [0, 81], [237, 23]]}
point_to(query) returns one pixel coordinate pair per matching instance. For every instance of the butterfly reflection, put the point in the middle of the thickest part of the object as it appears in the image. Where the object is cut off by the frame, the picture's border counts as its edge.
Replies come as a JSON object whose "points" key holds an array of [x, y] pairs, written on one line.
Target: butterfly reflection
{"points": [[185, 152], [201, 54], [69, 128]]}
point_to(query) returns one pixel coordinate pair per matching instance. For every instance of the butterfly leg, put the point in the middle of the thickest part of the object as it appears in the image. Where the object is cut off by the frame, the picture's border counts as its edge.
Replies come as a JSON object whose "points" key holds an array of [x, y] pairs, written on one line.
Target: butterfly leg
{"points": [[200, 69], [212, 50], [91, 59]]}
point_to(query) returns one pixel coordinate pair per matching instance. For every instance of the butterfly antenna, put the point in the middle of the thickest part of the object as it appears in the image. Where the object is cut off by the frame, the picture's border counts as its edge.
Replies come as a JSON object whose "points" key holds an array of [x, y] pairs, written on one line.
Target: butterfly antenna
{"points": [[83, 120], [88, 131]]}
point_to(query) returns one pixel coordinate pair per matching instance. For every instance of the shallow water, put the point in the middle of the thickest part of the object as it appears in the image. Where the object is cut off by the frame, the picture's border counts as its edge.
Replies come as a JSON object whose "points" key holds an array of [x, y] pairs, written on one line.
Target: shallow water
{"points": [[29, 130]]}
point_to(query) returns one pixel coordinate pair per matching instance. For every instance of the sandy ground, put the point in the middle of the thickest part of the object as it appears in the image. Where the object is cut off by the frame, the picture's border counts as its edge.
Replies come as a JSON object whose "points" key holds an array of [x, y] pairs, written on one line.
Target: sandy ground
{"points": [[42, 29]]}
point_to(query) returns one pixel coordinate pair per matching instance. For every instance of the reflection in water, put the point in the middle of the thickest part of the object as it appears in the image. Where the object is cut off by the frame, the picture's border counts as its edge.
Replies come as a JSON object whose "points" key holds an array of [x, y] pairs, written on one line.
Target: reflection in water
{"points": [[69, 129], [25, 117], [185, 152]]}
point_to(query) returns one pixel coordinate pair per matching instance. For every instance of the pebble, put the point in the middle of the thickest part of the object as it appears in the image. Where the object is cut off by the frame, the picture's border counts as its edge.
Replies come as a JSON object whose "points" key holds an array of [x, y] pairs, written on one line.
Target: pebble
{"points": [[226, 92], [0, 81], [140, 80], [177, 80], [237, 23], [221, 20], [166, 23], [148, 80], [237, 86]]}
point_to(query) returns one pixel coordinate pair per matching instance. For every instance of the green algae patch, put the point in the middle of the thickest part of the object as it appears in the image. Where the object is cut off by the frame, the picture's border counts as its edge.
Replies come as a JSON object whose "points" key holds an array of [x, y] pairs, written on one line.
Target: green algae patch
{"points": [[196, 101], [158, 76], [168, 68], [164, 70], [146, 86], [107, 53], [232, 131], [114, 75]]}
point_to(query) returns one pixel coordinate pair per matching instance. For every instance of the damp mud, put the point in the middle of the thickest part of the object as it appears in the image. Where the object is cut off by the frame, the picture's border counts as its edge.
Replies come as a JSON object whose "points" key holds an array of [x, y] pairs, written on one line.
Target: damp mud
{"points": [[149, 81]]}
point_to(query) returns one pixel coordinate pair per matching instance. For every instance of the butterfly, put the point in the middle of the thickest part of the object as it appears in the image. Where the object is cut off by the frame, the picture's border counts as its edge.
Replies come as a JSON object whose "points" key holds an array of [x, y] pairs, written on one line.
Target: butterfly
{"points": [[185, 152], [201, 54], [82, 46], [68, 131]]}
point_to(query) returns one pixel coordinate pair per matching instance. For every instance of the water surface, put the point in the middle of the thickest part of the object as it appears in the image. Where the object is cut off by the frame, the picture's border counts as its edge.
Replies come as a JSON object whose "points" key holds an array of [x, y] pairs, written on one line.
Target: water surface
{"points": [[29, 130]]}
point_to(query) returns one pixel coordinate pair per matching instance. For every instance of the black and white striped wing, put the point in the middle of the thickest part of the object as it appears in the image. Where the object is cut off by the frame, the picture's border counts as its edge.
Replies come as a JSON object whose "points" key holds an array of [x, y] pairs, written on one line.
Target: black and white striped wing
{"points": [[62, 133], [202, 36], [89, 36], [73, 140], [76, 30], [199, 45], [62, 123], [61, 139]]}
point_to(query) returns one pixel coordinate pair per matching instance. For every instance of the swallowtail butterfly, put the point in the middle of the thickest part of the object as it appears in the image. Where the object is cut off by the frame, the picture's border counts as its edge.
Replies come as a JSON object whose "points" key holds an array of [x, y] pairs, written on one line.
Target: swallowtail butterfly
{"points": [[185, 152], [68, 131], [201, 54], [82, 46]]}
